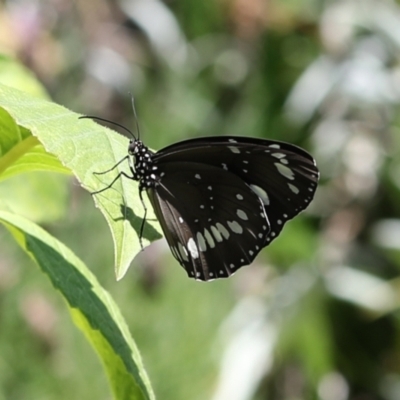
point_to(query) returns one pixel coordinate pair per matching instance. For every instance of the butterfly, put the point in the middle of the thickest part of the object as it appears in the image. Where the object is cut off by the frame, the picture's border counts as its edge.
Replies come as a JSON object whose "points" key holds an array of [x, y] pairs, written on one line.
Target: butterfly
{"points": [[220, 200]]}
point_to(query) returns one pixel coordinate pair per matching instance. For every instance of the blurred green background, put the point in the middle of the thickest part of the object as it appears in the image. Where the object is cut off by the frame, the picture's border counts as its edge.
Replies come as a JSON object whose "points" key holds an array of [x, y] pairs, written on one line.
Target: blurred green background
{"points": [[316, 315]]}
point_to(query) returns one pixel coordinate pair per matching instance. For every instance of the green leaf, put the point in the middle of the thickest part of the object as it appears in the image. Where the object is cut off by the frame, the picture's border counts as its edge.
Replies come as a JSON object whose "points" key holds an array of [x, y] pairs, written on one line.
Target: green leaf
{"points": [[84, 147], [22, 152], [92, 308]]}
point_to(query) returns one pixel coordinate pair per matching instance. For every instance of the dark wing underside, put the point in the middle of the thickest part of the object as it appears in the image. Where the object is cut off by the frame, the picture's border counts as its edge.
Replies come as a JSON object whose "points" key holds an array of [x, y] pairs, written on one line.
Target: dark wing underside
{"points": [[213, 222], [283, 176]]}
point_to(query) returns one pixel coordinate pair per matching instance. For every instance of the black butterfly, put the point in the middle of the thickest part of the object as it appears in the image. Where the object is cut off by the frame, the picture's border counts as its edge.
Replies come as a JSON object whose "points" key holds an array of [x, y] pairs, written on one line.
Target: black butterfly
{"points": [[220, 200]]}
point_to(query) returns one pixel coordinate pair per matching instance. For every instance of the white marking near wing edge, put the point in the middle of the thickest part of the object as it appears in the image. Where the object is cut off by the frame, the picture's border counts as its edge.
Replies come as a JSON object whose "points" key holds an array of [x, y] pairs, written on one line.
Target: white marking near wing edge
{"points": [[183, 252], [201, 241], [191, 245], [278, 155], [261, 193], [234, 149]]}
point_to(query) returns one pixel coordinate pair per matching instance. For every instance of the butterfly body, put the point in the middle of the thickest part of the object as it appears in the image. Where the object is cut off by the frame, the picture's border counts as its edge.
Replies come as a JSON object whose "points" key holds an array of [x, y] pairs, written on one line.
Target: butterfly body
{"points": [[220, 200]]}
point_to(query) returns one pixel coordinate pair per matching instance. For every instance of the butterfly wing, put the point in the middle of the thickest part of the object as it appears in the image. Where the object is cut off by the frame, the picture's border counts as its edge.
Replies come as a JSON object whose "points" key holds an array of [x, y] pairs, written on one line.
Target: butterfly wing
{"points": [[212, 222], [282, 175]]}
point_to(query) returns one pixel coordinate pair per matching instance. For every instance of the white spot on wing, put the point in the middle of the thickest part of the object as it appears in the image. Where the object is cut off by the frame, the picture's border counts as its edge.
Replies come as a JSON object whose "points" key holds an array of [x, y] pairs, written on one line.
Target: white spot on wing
{"points": [[197, 176], [224, 232], [242, 215], [284, 171], [293, 188], [201, 242], [209, 238], [235, 227], [261, 193], [234, 149], [216, 233], [191, 245], [278, 155], [183, 252]]}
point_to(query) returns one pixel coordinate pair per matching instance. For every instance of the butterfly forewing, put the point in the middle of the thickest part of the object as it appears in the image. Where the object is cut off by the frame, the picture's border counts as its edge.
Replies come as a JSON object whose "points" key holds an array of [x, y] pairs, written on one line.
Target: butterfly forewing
{"points": [[213, 222], [284, 176]]}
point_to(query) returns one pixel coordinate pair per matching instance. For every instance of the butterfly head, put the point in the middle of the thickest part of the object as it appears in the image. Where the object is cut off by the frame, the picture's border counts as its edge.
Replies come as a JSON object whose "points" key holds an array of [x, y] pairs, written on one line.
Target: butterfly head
{"points": [[134, 147]]}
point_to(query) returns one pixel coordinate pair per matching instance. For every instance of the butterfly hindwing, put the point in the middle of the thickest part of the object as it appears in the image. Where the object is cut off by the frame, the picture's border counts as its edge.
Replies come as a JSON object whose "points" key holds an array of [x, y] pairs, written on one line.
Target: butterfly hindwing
{"points": [[213, 222]]}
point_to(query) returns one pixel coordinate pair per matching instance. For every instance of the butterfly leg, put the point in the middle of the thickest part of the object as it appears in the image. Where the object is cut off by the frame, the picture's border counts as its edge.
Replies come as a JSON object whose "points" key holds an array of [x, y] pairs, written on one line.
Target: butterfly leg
{"points": [[112, 183], [112, 168], [143, 219]]}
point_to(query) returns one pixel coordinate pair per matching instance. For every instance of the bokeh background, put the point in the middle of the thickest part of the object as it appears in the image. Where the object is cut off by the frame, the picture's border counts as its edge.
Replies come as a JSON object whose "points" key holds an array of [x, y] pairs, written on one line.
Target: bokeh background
{"points": [[316, 315]]}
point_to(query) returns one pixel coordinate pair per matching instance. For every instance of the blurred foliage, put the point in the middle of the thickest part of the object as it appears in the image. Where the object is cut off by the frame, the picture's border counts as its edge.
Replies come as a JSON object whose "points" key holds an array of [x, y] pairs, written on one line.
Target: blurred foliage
{"points": [[315, 317]]}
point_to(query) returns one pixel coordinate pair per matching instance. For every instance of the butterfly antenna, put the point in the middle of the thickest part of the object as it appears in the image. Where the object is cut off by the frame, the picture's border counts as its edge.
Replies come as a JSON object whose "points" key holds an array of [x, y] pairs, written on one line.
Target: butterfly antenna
{"points": [[110, 122], [135, 115]]}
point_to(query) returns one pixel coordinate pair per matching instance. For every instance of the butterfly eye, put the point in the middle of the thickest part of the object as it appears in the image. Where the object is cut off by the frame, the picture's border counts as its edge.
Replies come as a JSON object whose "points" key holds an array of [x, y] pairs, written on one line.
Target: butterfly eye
{"points": [[132, 148]]}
